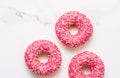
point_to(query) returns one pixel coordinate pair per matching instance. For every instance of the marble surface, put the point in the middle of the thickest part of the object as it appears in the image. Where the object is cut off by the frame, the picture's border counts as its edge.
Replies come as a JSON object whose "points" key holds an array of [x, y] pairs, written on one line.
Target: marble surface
{"points": [[24, 21]]}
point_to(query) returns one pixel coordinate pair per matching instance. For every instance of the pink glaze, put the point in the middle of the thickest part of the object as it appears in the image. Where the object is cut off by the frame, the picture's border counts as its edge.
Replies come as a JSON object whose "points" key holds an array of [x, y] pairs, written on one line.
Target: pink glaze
{"points": [[32, 54], [73, 18], [86, 58]]}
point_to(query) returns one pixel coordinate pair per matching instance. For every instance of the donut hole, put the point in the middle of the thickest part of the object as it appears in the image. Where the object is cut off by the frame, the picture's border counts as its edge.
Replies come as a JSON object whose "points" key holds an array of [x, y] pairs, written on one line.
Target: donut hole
{"points": [[86, 69], [73, 29], [43, 57]]}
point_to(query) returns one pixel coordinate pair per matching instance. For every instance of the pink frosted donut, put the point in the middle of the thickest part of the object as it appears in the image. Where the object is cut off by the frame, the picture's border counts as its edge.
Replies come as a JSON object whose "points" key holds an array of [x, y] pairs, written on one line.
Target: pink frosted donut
{"points": [[69, 19], [86, 58], [32, 54]]}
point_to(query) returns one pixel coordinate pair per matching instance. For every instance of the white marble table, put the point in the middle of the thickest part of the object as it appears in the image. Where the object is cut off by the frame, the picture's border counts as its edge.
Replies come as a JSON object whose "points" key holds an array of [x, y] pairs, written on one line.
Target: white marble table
{"points": [[24, 21]]}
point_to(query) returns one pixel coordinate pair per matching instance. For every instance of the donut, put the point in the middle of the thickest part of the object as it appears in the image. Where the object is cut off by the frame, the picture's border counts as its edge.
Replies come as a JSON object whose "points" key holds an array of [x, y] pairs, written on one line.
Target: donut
{"points": [[70, 19], [89, 59], [32, 54]]}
